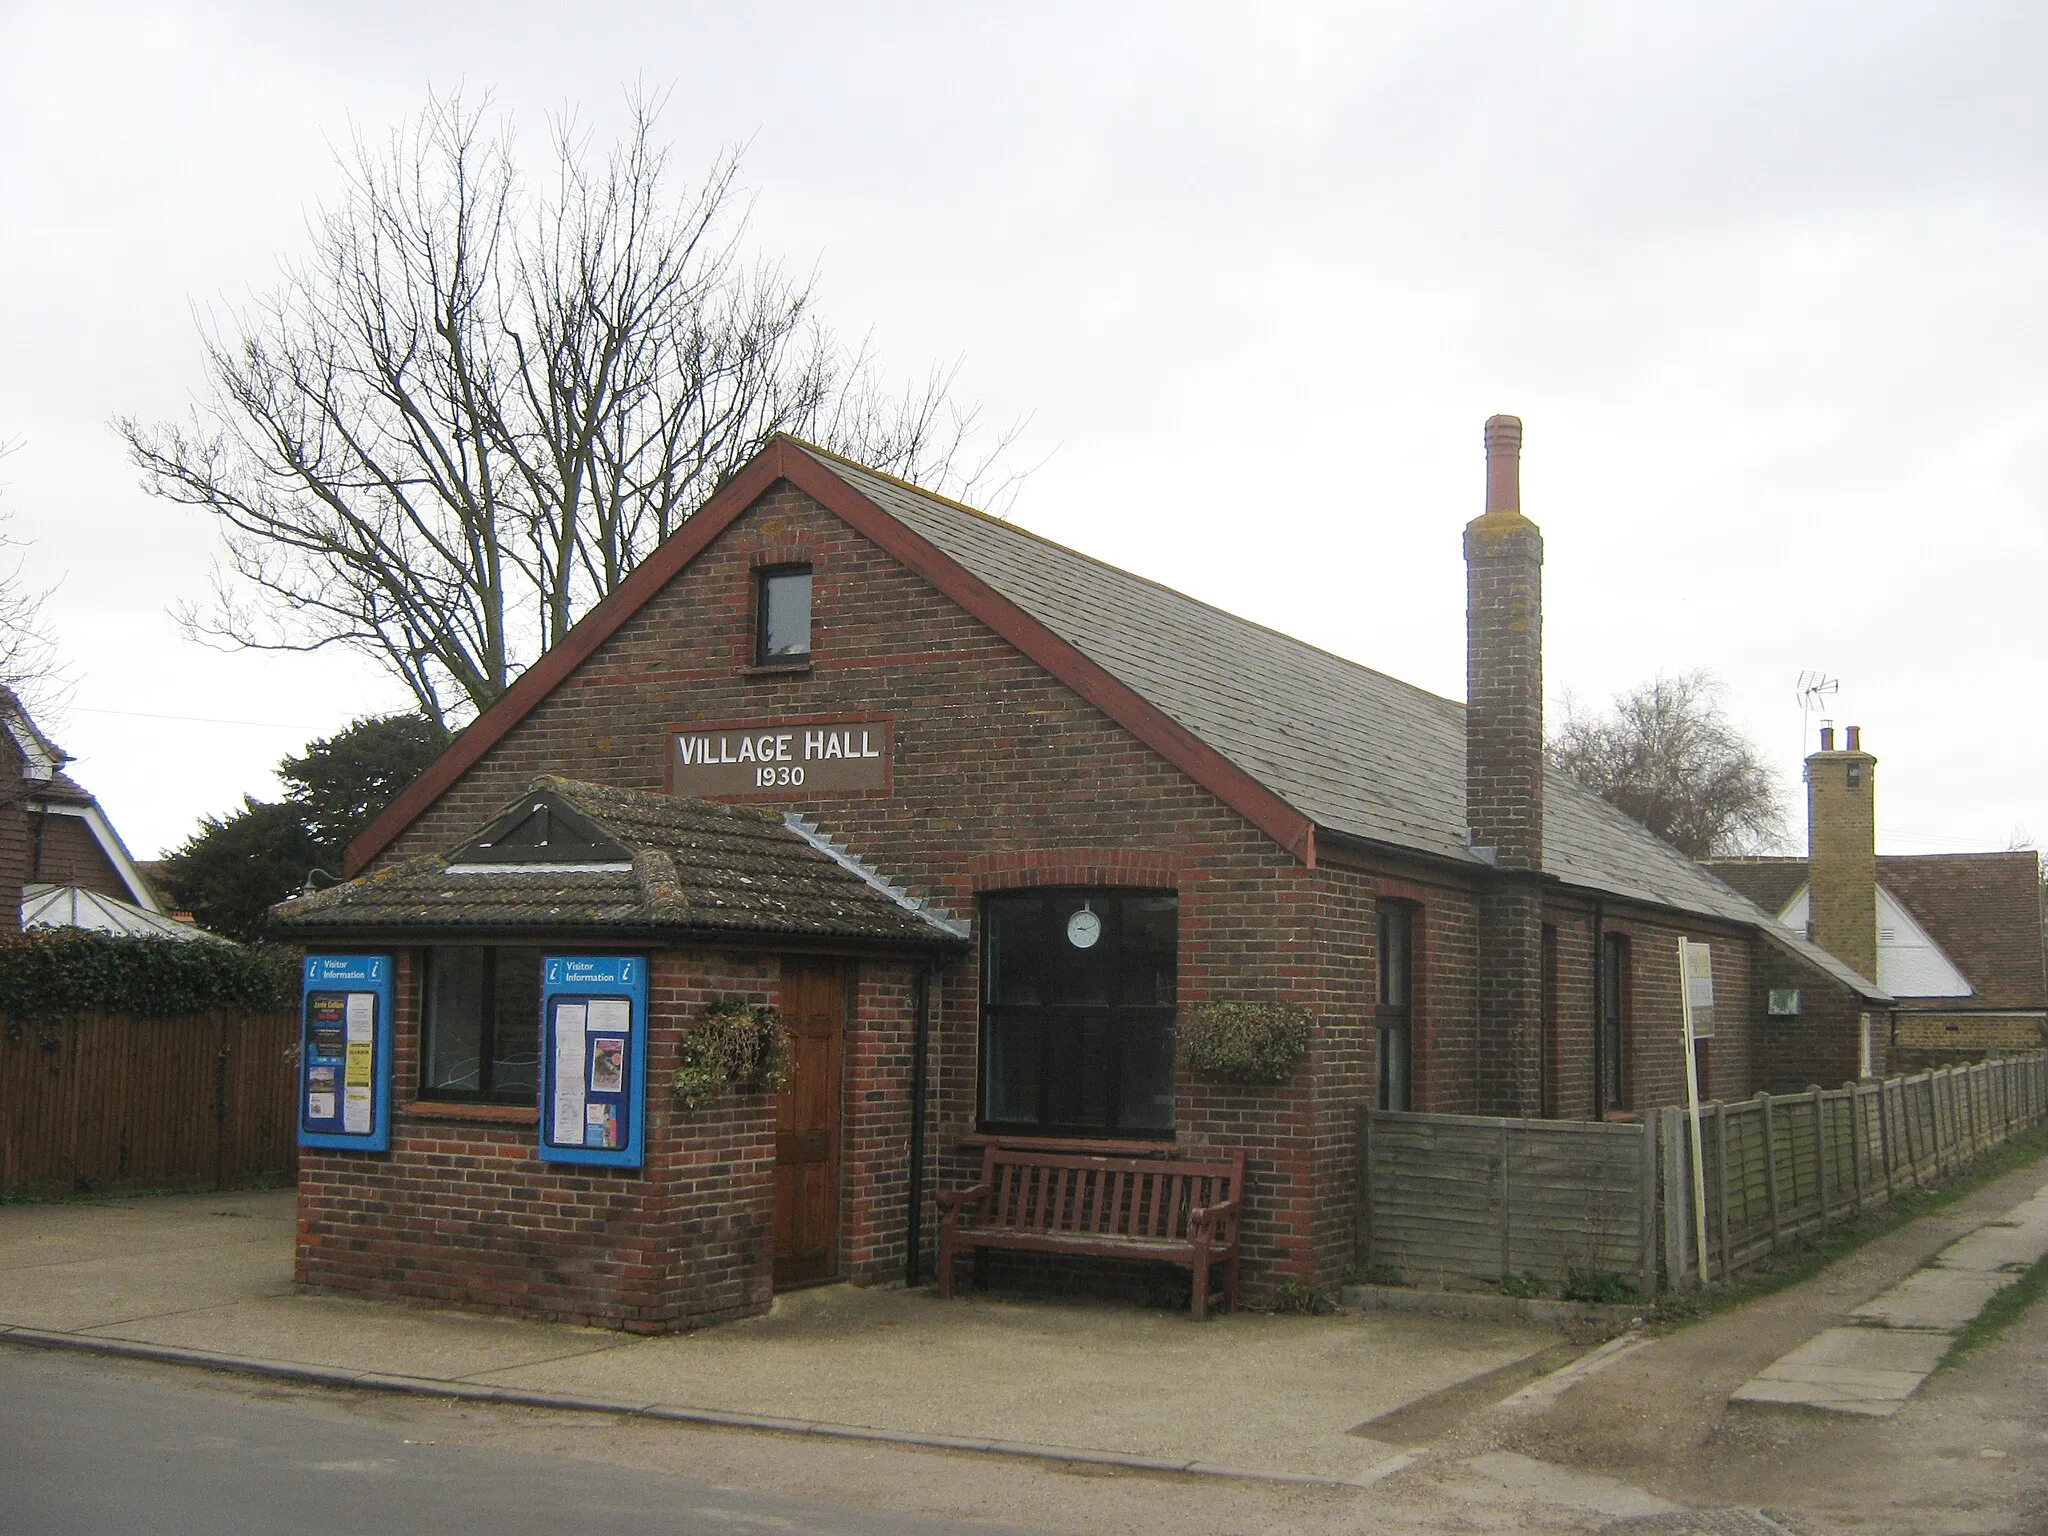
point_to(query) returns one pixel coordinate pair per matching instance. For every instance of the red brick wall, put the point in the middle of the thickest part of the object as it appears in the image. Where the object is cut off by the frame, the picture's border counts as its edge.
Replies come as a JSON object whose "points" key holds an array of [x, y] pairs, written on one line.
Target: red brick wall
{"points": [[1003, 778], [1820, 1045], [465, 1213]]}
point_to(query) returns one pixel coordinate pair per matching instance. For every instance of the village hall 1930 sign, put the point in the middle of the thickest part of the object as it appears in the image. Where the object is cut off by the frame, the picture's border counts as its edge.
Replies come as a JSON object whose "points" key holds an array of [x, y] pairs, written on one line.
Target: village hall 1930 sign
{"points": [[781, 757]]}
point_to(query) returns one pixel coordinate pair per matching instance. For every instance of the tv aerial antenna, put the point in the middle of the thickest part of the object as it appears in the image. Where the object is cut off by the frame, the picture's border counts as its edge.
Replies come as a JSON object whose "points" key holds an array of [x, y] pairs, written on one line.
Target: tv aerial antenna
{"points": [[1813, 691]]}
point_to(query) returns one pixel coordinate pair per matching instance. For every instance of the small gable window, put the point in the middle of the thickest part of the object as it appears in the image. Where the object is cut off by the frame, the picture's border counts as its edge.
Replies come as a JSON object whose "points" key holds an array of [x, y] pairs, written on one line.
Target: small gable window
{"points": [[782, 609]]}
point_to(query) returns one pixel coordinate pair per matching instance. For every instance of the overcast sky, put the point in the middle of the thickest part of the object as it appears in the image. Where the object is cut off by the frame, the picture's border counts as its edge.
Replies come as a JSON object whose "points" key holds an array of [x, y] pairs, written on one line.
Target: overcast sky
{"points": [[1765, 282]]}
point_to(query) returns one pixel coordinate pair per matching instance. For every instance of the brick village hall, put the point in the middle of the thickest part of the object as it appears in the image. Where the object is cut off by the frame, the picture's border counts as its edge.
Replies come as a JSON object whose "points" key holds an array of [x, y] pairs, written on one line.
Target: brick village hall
{"points": [[981, 815]]}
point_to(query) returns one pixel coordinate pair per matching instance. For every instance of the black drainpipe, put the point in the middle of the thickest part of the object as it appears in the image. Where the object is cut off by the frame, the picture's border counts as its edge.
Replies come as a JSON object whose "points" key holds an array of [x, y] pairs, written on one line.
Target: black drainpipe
{"points": [[920, 1071], [1599, 1008], [36, 864]]}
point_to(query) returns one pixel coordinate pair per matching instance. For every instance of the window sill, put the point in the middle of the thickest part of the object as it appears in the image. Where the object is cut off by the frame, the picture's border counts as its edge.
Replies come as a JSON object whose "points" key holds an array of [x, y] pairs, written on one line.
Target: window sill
{"points": [[1107, 1147], [471, 1114], [778, 668]]}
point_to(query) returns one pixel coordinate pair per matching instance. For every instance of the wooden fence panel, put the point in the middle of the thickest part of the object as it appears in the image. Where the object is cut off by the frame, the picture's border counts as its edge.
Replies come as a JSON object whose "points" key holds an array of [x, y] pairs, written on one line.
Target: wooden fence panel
{"points": [[112, 1102], [1452, 1198], [1464, 1198]]}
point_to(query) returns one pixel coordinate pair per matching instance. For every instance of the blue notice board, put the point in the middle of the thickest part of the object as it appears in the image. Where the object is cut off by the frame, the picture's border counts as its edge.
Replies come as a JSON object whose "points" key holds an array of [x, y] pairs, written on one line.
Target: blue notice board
{"points": [[345, 1053], [593, 1059]]}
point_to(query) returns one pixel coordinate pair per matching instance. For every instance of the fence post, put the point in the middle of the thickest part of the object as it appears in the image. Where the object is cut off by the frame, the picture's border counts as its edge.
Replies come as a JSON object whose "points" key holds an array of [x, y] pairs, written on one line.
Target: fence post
{"points": [[1856, 1148], [1366, 1258], [1943, 1076], [1771, 1170], [1647, 1257], [1677, 1180], [1721, 1178], [1507, 1225], [1884, 1136], [1820, 1148]]}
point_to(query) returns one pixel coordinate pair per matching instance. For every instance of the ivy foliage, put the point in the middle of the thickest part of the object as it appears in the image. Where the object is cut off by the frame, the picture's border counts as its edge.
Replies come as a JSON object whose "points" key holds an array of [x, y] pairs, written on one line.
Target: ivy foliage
{"points": [[739, 1043], [1236, 1042], [50, 975]]}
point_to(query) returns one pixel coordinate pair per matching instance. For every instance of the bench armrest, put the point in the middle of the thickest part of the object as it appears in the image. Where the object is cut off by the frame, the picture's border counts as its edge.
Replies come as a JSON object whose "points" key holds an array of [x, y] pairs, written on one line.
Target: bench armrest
{"points": [[1208, 1217], [951, 1200]]}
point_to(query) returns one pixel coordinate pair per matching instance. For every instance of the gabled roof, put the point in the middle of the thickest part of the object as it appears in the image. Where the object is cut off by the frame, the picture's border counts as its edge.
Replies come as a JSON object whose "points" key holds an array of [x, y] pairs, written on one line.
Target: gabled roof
{"points": [[683, 868], [1294, 738], [1982, 909]]}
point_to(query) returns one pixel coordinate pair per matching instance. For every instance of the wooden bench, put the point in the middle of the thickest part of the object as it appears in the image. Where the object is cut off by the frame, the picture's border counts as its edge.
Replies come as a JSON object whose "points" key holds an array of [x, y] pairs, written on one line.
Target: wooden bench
{"points": [[1046, 1200]]}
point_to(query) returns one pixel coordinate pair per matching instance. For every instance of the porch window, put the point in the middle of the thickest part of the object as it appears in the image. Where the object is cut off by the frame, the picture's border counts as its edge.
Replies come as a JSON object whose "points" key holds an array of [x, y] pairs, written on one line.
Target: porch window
{"points": [[1396, 1019], [1077, 1012], [480, 1025]]}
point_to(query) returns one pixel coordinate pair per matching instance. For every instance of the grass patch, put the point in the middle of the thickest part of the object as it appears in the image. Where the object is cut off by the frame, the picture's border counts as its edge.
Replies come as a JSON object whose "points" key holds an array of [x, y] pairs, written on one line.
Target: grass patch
{"points": [[1805, 1257], [2001, 1310]]}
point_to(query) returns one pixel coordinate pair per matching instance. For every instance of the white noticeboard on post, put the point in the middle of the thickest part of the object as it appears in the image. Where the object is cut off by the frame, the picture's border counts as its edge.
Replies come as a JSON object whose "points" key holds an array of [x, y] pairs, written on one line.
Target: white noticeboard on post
{"points": [[1696, 1005]]}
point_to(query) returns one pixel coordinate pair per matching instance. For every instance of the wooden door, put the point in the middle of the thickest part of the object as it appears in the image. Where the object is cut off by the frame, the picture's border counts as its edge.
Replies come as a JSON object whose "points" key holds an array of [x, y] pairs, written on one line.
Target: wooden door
{"points": [[807, 1123]]}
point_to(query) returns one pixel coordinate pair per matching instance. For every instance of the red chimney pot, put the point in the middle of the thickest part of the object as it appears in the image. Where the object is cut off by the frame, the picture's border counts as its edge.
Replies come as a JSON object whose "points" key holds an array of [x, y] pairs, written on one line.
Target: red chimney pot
{"points": [[1855, 738], [1503, 463]]}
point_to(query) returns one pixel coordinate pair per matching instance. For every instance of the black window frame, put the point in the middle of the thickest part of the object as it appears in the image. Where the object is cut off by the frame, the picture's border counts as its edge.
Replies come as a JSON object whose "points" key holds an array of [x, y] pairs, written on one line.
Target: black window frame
{"points": [[1611, 1038], [489, 1056], [764, 579], [1394, 1016], [1115, 1019]]}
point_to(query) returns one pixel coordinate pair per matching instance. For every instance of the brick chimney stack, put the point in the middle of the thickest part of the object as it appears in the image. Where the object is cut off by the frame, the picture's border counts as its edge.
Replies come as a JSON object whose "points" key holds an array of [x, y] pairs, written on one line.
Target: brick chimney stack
{"points": [[1841, 851], [1504, 774]]}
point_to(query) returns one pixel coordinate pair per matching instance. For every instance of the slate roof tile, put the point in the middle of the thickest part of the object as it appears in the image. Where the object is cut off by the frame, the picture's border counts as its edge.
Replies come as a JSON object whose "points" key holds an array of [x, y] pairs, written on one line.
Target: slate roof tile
{"points": [[1356, 751]]}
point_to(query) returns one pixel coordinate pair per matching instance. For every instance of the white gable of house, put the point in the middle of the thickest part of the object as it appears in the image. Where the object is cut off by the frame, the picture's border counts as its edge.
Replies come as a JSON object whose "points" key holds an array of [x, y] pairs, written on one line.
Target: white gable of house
{"points": [[1909, 963]]}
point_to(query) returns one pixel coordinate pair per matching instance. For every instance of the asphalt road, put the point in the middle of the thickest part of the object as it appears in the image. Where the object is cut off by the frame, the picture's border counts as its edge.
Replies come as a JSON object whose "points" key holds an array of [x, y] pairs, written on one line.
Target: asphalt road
{"points": [[112, 1447]]}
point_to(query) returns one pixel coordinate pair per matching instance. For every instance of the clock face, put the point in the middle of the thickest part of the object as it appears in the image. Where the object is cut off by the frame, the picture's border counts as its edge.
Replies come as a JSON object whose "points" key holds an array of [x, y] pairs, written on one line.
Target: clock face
{"points": [[1083, 929]]}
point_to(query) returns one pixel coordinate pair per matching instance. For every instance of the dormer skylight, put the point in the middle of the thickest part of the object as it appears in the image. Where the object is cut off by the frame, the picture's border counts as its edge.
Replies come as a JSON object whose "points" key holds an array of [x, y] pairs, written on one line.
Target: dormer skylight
{"points": [[542, 836]]}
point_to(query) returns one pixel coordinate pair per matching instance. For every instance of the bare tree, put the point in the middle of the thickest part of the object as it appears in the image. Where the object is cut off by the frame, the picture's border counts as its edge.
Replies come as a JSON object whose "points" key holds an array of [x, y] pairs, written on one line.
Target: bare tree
{"points": [[474, 408], [29, 668], [1667, 755]]}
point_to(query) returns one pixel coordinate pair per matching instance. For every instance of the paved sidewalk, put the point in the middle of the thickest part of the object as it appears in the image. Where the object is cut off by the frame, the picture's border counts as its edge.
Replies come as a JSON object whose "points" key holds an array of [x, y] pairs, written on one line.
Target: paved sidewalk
{"points": [[206, 1279], [1893, 1341]]}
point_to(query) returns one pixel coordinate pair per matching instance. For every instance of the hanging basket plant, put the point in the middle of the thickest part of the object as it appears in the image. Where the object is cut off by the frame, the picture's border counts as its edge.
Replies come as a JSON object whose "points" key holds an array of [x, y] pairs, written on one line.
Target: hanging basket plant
{"points": [[1244, 1042], [739, 1044]]}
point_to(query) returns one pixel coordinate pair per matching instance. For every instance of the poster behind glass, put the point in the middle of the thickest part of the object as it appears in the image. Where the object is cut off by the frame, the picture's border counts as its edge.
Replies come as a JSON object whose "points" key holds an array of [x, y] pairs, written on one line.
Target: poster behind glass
{"points": [[344, 1099], [593, 1059]]}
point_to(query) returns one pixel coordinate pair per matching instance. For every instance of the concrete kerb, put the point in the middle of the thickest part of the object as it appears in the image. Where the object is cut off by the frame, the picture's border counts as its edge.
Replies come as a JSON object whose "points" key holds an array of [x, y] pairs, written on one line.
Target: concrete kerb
{"points": [[1485, 1306], [374, 1381]]}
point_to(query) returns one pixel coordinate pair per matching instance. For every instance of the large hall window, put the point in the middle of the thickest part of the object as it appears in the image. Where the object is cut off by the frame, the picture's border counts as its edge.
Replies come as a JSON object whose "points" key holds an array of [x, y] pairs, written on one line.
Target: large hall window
{"points": [[1077, 1012], [480, 1028], [1397, 1006]]}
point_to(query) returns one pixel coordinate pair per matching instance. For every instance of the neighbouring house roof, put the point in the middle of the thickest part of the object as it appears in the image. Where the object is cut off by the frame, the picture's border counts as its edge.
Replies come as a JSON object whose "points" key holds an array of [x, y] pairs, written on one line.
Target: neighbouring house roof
{"points": [[638, 864], [1295, 738], [54, 791], [73, 906], [1981, 910]]}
